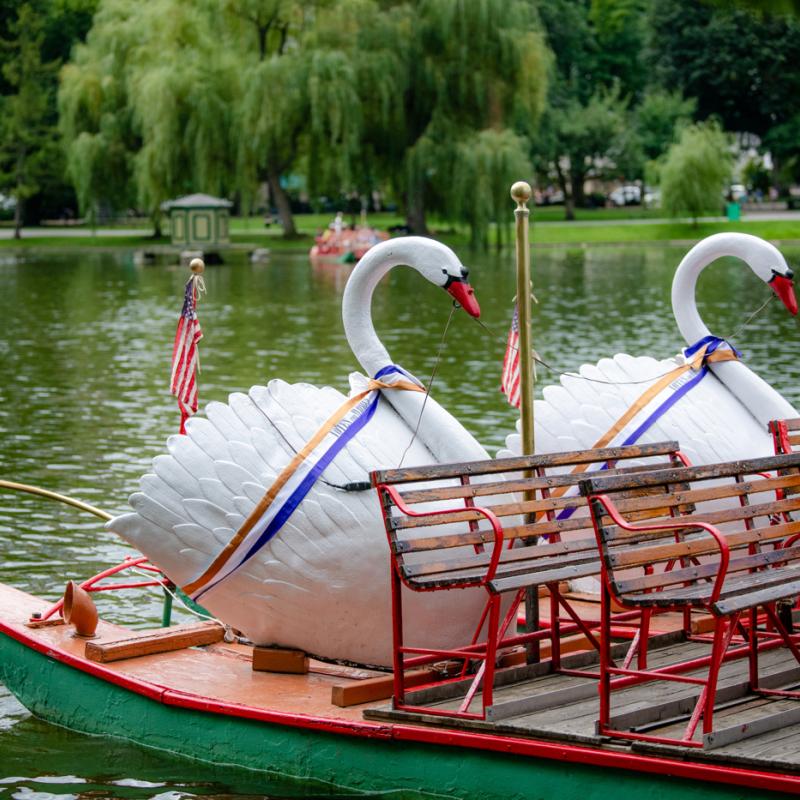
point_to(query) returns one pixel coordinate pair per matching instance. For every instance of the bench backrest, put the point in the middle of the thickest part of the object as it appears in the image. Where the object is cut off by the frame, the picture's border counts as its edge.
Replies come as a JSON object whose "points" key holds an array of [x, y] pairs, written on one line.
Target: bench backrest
{"points": [[753, 503], [533, 496], [785, 435]]}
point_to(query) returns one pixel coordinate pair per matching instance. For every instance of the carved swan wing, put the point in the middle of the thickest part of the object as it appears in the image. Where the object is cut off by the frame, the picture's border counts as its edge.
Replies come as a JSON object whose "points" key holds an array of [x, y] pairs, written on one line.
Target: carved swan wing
{"points": [[321, 583], [709, 421]]}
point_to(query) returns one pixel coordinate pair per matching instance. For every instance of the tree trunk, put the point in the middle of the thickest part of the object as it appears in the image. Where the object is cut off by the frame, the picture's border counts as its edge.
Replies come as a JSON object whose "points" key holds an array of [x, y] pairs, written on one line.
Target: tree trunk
{"points": [[415, 212], [578, 195], [18, 208], [569, 203], [18, 219], [281, 200]]}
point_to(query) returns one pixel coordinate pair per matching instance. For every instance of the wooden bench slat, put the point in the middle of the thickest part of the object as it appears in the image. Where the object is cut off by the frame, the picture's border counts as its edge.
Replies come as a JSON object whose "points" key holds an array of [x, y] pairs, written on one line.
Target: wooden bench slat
{"points": [[677, 575], [485, 535], [520, 558], [498, 509], [499, 465], [769, 582], [743, 600], [784, 584], [721, 517], [659, 477], [687, 497], [702, 546], [516, 485]]}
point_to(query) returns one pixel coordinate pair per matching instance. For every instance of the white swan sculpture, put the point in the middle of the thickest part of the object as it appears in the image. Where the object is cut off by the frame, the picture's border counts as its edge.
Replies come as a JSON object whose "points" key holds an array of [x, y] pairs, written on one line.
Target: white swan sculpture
{"points": [[322, 582], [722, 416]]}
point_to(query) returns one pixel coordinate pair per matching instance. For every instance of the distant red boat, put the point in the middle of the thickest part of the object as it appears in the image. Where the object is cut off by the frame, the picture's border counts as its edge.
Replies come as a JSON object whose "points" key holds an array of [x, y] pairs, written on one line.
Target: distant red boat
{"points": [[345, 244]]}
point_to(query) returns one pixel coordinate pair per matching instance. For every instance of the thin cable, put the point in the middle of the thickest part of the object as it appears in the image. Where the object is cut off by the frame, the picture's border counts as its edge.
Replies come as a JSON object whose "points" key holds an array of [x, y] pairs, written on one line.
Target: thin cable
{"points": [[430, 382], [752, 316], [342, 487], [577, 375]]}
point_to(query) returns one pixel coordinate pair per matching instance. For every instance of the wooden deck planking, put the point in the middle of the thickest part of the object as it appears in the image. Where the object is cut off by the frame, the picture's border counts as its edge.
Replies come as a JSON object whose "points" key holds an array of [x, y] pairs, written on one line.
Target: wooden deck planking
{"points": [[575, 721]]}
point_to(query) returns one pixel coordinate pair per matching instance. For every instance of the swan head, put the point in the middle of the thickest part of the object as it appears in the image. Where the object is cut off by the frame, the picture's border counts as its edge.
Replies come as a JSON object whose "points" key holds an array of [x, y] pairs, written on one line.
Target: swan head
{"points": [[781, 284], [769, 265], [441, 266]]}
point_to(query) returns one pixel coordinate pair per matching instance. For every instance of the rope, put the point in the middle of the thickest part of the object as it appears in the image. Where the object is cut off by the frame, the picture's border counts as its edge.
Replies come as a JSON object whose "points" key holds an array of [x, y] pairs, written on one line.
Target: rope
{"points": [[61, 498], [537, 359], [174, 595]]}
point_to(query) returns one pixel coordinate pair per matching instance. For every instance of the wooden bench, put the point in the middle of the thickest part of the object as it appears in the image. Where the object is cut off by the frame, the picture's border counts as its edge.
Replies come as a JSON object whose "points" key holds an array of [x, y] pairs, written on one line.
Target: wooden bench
{"points": [[785, 435], [725, 543], [786, 439], [508, 524]]}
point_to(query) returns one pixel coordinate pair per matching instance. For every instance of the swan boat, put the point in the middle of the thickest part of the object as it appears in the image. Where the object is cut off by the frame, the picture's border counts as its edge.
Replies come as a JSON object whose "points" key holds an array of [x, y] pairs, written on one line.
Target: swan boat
{"points": [[345, 245], [203, 700]]}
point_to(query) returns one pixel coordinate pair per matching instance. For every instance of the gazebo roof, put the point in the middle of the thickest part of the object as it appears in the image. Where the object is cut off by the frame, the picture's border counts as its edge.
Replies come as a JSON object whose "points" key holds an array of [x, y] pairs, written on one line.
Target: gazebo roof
{"points": [[196, 201]]}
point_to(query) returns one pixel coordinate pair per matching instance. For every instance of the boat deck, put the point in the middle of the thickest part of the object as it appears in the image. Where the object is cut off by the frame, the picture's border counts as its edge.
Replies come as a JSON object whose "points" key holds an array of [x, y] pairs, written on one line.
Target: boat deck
{"points": [[221, 672], [555, 708], [565, 708]]}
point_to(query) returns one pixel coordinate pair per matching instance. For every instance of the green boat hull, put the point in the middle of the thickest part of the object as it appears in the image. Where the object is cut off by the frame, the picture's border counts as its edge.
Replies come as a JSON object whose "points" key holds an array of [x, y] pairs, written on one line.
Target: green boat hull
{"points": [[320, 762]]}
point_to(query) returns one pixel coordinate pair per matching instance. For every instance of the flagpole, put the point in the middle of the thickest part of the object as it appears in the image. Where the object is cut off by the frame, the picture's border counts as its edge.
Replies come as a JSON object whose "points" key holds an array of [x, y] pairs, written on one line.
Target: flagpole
{"points": [[521, 193]]}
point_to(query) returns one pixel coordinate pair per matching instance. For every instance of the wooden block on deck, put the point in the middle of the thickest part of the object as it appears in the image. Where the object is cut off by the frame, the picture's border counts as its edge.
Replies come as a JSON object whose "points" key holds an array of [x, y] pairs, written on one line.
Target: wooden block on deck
{"points": [[703, 623], [371, 689], [161, 640], [275, 659]]}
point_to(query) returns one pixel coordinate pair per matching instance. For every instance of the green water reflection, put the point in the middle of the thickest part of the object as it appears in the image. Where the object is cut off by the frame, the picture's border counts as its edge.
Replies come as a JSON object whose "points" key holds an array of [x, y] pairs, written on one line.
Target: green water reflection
{"points": [[85, 346]]}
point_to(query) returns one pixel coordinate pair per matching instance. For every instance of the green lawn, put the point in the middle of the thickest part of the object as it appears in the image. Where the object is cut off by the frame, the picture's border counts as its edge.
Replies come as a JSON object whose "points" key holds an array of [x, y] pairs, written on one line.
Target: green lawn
{"points": [[548, 229], [661, 232]]}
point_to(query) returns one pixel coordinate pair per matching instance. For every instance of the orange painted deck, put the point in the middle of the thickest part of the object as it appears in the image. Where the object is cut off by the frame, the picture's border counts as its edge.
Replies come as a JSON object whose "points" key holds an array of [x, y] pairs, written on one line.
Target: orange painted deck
{"points": [[220, 671]]}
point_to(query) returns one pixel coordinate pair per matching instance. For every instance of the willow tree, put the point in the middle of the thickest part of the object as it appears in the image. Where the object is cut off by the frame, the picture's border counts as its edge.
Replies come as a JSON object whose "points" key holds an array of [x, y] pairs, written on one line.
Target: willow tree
{"points": [[144, 106], [26, 133], [465, 66], [488, 162], [299, 98], [695, 171]]}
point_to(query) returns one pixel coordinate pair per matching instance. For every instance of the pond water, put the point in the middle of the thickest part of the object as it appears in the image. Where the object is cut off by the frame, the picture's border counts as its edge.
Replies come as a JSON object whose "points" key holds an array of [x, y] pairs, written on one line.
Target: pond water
{"points": [[85, 347]]}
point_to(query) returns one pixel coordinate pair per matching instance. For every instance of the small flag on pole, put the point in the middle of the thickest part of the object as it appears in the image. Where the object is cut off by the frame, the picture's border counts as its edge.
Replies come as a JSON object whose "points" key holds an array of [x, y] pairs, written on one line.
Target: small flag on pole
{"points": [[185, 356], [510, 381]]}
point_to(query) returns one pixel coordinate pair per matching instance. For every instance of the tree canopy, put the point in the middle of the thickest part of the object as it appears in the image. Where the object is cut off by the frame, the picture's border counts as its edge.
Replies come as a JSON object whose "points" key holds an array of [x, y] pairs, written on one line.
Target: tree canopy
{"points": [[356, 91], [432, 103]]}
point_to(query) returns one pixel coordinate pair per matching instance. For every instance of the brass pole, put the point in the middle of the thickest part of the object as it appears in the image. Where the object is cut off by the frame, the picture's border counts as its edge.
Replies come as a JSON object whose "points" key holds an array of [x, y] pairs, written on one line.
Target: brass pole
{"points": [[521, 193]]}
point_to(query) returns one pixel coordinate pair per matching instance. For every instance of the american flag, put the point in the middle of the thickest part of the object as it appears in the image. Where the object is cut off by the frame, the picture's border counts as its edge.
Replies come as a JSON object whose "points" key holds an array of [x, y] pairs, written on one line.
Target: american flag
{"points": [[185, 356], [510, 381]]}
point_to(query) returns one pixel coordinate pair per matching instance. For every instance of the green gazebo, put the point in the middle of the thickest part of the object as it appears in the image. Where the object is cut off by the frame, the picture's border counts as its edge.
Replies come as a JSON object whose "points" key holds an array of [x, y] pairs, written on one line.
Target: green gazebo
{"points": [[198, 221]]}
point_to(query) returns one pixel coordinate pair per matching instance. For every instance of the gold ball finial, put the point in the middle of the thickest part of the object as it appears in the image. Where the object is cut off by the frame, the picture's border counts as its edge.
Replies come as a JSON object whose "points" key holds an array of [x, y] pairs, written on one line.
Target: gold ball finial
{"points": [[521, 192], [197, 266]]}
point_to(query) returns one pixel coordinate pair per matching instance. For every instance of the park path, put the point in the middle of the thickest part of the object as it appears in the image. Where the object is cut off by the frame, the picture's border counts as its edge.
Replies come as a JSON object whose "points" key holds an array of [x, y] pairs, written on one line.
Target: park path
{"points": [[50, 233], [75, 232]]}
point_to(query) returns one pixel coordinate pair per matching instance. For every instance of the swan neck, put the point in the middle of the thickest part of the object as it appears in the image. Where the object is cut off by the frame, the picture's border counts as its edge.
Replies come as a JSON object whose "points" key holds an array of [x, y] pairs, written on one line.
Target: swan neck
{"points": [[684, 285], [445, 438], [357, 308]]}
